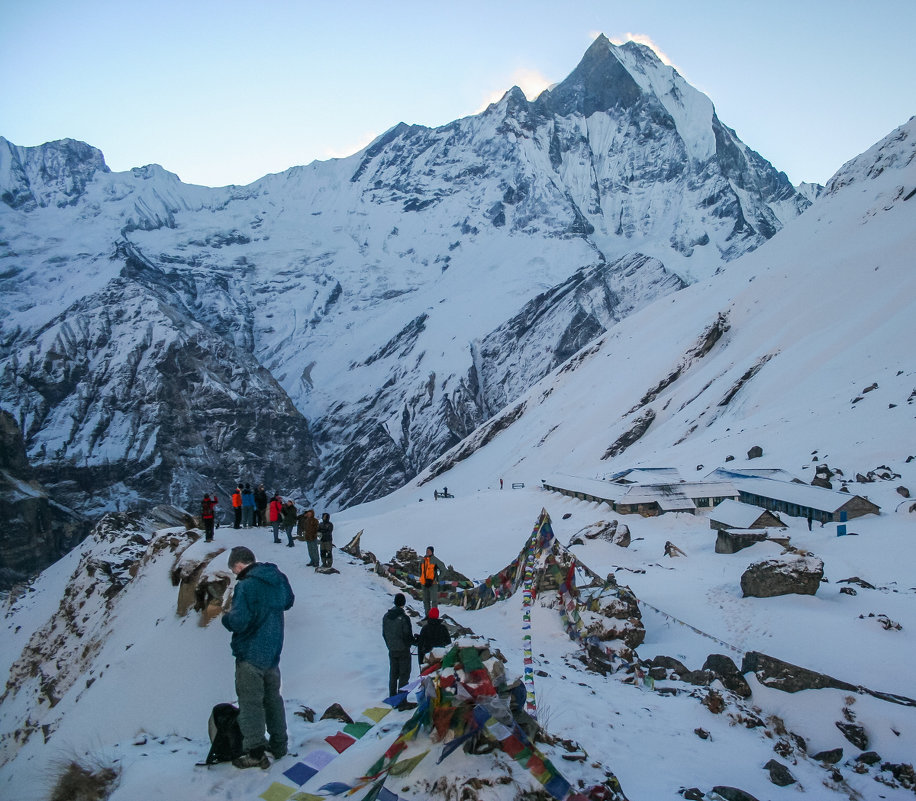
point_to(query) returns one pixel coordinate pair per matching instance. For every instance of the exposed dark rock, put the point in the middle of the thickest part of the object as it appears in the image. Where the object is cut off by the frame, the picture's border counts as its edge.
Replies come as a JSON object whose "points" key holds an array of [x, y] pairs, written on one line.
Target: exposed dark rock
{"points": [[755, 453], [724, 669], [733, 794], [637, 429], [831, 757], [854, 733], [779, 774], [869, 758], [856, 580], [903, 773], [903, 491], [36, 531], [783, 575], [787, 677], [336, 712]]}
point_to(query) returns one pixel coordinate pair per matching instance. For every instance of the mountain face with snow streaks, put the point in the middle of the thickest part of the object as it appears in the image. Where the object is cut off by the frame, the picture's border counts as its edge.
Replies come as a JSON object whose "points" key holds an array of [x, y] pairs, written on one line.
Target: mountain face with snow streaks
{"points": [[333, 329]]}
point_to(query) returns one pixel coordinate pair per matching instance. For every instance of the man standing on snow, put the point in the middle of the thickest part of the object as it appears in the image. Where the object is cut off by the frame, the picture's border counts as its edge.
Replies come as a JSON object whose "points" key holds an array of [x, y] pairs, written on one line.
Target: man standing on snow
{"points": [[262, 594], [430, 569], [260, 505], [398, 636], [208, 515], [308, 530], [237, 506]]}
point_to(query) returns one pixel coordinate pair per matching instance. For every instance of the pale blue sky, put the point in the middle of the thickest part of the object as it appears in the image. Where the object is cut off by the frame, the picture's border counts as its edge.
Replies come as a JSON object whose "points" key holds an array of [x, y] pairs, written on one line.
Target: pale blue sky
{"points": [[225, 92]]}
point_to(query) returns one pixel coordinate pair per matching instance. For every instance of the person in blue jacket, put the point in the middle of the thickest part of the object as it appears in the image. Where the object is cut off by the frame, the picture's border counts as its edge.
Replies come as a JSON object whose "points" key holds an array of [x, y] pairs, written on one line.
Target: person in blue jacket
{"points": [[248, 506], [262, 594]]}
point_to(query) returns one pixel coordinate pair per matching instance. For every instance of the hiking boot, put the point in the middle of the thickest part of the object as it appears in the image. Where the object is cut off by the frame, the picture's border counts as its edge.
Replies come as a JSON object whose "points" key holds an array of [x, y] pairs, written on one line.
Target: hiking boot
{"points": [[252, 760], [405, 705], [279, 752]]}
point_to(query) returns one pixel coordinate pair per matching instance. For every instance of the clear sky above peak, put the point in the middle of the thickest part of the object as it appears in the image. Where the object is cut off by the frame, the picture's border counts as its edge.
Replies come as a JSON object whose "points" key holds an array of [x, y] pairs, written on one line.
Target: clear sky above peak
{"points": [[225, 91]]}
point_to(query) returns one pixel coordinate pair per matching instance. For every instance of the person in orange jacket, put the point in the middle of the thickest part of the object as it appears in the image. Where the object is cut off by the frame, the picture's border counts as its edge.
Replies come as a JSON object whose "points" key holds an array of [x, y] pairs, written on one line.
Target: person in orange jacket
{"points": [[431, 566], [237, 507], [275, 513]]}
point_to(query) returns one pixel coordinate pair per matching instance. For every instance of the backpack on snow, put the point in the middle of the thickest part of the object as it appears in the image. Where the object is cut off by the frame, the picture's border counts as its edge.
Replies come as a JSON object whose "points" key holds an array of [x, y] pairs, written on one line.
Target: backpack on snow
{"points": [[225, 734]]}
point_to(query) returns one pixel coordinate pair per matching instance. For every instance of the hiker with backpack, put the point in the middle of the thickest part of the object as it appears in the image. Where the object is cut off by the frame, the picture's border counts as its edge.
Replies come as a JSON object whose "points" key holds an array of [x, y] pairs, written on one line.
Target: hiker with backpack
{"points": [[208, 515], [326, 542], [433, 635], [431, 568], [262, 594], [398, 636]]}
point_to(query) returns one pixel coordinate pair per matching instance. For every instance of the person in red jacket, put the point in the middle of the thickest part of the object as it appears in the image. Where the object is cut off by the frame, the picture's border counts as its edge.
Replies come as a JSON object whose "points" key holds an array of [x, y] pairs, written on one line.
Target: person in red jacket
{"points": [[206, 513], [275, 513], [237, 507]]}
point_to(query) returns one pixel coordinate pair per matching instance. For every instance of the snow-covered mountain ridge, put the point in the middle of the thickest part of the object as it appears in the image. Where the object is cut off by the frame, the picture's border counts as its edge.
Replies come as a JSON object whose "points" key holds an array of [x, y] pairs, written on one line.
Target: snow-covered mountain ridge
{"points": [[368, 301], [803, 348]]}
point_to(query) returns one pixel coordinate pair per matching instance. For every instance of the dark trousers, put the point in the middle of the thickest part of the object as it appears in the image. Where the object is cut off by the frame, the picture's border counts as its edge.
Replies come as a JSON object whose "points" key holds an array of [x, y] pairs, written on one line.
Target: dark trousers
{"points": [[327, 554], [237, 510], [260, 707], [398, 671], [208, 528]]}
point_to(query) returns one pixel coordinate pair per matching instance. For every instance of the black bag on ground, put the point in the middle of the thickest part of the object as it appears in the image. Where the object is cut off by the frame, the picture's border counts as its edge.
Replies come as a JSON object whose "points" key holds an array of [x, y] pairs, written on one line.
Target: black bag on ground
{"points": [[225, 734]]}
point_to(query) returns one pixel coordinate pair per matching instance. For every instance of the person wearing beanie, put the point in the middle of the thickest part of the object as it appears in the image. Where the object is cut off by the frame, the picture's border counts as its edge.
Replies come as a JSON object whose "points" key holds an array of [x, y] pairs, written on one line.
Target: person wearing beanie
{"points": [[262, 594], [431, 567], [433, 635], [398, 636]]}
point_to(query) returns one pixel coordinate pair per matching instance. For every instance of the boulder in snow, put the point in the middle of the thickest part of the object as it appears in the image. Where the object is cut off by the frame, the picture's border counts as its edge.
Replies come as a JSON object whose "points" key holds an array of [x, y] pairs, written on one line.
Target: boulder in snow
{"points": [[787, 574]]}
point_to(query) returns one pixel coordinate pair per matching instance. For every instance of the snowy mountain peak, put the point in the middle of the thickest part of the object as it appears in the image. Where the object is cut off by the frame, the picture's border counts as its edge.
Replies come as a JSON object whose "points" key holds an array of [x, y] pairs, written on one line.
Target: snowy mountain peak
{"points": [[55, 173], [599, 83], [897, 151]]}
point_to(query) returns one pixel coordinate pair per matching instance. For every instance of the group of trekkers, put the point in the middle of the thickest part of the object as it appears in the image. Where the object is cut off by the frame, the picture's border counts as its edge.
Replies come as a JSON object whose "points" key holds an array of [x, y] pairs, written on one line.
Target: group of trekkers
{"points": [[261, 597], [398, 633], [253, 509]]}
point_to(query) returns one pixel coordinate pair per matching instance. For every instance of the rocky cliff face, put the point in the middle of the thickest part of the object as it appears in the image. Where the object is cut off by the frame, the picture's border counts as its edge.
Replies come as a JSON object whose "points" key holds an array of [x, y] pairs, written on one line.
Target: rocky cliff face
{"points": [[333, 329], [36, 530]]}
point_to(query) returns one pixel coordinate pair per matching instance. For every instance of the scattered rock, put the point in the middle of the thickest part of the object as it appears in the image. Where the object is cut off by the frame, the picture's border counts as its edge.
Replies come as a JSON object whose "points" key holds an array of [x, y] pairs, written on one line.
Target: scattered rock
{"points": [[903, 773], [692, 794], [830, 757], [733, 794], [729, 458], [855, 734], [787, 677], [779, 774], [672, 550], [755, 453], [622, 536], [336, 712], [701, 733], [848, 591], [724, 669], [783, 575], [856, 580], [903, 491], [869, 757]]}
